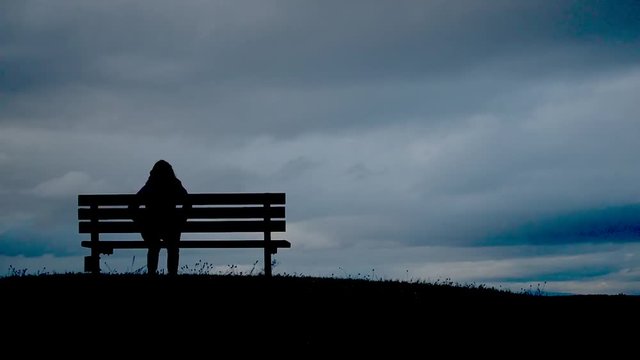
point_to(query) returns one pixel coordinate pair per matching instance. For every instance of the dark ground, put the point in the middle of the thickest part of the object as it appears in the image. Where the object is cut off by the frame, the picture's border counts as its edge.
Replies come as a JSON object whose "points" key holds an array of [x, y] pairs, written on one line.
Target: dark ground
{"points": [[303, 315]]}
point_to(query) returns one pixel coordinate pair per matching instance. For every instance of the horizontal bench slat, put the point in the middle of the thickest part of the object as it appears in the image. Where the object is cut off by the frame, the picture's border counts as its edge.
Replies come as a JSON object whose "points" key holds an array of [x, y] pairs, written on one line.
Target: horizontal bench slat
{"points": [[190, 244], [195, 199], [86, 227], [255, 212]]}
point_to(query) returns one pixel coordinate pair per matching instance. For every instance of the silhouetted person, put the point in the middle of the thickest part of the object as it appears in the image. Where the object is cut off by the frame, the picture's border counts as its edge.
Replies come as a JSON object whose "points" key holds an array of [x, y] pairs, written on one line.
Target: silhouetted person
{"points": [[162, 219]]}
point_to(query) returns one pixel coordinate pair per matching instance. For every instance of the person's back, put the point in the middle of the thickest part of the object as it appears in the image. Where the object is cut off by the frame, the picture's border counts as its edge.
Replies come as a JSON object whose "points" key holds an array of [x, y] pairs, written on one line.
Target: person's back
{"points": [[161, 219], [160, 195]]}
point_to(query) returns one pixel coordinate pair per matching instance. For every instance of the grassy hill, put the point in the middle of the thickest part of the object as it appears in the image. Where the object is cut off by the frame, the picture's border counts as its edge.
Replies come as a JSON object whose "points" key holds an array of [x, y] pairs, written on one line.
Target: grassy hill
{"points": [[299, 312]]}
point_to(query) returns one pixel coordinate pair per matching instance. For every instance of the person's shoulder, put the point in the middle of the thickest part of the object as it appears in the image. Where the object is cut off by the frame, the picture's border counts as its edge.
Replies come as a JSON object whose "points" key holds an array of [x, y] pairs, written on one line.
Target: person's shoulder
{"points": [[180, 187], [143, 190]]}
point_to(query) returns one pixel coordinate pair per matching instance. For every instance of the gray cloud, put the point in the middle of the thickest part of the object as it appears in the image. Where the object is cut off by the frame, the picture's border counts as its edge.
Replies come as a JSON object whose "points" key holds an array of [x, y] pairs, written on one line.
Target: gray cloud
{"points": [[322, 66]]}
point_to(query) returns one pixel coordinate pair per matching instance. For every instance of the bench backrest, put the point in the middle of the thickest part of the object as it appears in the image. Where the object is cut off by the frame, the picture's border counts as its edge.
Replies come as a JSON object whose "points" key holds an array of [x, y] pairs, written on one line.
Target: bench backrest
{"points": [[210, 213]]}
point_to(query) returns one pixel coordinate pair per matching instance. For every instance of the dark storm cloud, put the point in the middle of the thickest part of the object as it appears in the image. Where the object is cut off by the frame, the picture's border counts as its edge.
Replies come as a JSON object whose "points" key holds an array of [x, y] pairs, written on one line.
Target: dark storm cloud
{"points": [[25, 242], [324, 66], [615, 224]]}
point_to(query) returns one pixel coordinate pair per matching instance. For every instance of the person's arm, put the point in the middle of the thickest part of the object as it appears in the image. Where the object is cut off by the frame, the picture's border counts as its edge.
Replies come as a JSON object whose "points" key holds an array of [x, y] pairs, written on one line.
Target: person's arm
{"points": [[186, 204]]}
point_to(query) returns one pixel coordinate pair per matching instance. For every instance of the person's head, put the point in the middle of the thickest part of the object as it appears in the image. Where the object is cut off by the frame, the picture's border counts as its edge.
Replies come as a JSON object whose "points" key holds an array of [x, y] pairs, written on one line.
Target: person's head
{"points": [[162, 170]]}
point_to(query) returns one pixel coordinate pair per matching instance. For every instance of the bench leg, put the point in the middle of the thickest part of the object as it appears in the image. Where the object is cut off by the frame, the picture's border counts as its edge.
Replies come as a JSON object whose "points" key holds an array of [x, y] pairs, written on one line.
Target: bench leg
{"points": [[267, 262], [92, 264]]}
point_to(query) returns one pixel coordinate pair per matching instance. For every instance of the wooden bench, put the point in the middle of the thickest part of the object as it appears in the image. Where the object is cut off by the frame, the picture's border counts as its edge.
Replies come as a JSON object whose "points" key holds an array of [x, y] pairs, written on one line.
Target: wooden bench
{"points": [[210, 213]]}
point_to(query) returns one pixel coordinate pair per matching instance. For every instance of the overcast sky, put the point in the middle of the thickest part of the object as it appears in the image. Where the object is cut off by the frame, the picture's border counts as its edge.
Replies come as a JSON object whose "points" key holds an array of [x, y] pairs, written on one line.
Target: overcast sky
{"points": [[488, 142]]}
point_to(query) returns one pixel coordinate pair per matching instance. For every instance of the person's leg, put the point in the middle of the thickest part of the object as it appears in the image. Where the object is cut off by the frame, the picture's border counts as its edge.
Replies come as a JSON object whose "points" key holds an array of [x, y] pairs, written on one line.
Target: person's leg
{"points": [[173, 253], [153, 240]]}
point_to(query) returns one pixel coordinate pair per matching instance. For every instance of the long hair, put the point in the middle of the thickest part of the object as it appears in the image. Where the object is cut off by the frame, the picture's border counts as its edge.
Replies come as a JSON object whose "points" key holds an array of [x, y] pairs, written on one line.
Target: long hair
{"points": [[162, 174]]}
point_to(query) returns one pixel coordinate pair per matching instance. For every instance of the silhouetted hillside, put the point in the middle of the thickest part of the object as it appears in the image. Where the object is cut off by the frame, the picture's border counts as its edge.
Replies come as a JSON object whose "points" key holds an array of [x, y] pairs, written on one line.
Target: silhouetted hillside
{"points": [[299, 312]]}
